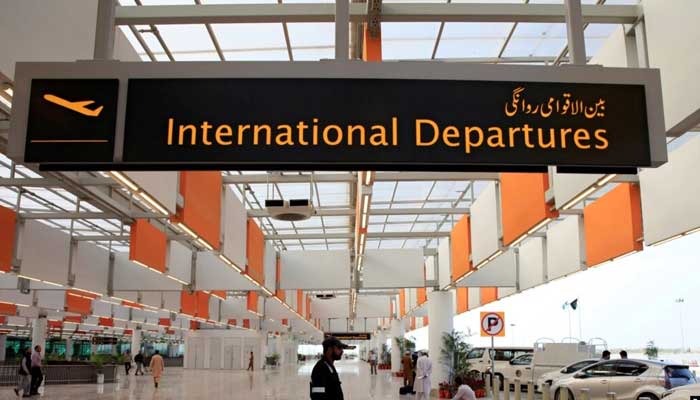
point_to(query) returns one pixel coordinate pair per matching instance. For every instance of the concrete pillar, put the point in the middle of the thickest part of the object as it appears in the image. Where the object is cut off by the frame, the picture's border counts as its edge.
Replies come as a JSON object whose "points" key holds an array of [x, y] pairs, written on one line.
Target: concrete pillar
{"points": [[69, 349], [3, 342], [381, 340], [39, 327], [396, 331], [136, 342], [441, 311]]}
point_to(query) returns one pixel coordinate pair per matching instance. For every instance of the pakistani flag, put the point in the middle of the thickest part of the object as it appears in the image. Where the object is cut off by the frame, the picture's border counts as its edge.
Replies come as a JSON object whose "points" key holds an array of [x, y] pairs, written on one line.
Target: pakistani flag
{"points": [[573, 304]]}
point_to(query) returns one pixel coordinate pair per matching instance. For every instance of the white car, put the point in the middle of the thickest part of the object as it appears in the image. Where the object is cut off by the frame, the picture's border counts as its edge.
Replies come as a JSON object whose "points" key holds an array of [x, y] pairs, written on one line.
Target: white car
{"points": [[551, 377], [682, 392]]}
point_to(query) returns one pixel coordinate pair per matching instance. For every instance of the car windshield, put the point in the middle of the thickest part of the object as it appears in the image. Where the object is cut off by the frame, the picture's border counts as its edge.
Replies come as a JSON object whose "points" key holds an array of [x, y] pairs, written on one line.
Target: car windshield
{"points": [[476, 353], [577, 366], [679, 376]]}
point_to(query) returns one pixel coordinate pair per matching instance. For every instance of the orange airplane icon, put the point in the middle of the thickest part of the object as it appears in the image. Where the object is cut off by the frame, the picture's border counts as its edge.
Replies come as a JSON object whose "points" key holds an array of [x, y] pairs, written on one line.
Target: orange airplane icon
{"points": [[77, 106]]}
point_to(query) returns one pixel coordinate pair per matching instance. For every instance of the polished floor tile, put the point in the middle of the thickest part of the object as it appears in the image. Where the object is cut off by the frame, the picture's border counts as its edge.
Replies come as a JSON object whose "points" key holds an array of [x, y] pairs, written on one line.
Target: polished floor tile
{"points": [[285, 383]]}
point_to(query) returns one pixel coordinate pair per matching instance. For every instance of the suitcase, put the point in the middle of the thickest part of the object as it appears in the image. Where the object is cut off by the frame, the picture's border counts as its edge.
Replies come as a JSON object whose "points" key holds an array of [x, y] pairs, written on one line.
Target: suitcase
{"points": [[405, 390]]}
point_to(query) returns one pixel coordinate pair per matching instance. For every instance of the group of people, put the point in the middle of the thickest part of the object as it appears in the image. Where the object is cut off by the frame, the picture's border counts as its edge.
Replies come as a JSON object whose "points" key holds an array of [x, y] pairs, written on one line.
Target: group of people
{"points": [[417, 369], [30, 373], [606, 355], [157, 365]]}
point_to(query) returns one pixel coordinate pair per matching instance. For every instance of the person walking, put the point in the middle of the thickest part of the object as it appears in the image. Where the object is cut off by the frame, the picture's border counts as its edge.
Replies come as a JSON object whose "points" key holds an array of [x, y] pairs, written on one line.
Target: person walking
{"points": [[424, 369], [251, 362], [138, 359], [157, 366], [127, 362], [407, 366], [464, 392], [24, 373], [372, 363], [35, 370], [325, 382]]}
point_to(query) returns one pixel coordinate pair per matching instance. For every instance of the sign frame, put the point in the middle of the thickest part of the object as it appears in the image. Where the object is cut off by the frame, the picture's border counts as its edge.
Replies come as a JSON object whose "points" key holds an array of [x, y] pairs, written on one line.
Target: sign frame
{"points": [[414, 70]]}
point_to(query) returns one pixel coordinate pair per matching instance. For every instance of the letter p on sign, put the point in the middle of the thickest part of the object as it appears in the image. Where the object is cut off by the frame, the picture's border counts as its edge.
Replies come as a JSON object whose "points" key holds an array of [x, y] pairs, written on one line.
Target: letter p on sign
{"points": [[493, 323]]}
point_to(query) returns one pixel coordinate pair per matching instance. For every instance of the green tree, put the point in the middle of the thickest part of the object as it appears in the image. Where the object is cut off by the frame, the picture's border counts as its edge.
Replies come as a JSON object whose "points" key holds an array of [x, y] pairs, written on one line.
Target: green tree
{"points": [[651, 351], [453, 354]]}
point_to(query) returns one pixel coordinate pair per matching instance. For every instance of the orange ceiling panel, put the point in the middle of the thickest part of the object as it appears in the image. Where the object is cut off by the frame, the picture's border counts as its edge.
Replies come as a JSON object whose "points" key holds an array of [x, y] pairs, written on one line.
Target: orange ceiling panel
{"points": [[402, 303], [106, 322], [246, 323], [76, 319], [308, 307], [164, 322], [194, 325], [613, 224], [461, 248], [255, 251], [462, 300], [300, 301], [252, 302], [8, 221], [523, 203], [232, 322], [413, 323], [425, 321], [488, 295], [148, 245], [201, 191], [219, 293], [202, 305], [421, 296], [78, 304], [188, 303], [8, 309]]}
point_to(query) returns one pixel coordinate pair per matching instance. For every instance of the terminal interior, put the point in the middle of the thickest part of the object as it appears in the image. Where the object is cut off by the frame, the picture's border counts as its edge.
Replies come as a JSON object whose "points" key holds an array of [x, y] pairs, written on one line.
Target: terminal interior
{"points": [[219, 270]]}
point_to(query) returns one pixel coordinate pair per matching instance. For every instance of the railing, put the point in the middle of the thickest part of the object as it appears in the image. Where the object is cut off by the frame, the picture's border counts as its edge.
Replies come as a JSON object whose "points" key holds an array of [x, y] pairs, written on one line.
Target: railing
{"points": [[61, 374]]}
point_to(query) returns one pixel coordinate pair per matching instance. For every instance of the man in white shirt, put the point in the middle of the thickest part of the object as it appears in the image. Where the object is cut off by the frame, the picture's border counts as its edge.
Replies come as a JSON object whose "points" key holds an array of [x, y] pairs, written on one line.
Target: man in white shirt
{"points": [[372, 363], [424, 369], [464, 392]]}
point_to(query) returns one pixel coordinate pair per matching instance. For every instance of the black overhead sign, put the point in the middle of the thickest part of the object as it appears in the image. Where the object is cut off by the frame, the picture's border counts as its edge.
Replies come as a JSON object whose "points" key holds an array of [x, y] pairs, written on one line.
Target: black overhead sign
{"points": [[349, 335], [336, 123]]}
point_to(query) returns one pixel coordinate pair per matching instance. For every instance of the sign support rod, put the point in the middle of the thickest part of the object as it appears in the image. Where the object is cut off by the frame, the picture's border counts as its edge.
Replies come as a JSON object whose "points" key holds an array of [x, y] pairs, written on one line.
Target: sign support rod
{"points": [[105, 29], [574, 30], [342, 30]]}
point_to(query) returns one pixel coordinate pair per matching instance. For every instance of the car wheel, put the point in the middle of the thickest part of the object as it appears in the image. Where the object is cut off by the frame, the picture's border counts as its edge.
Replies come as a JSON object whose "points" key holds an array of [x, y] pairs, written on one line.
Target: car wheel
{"points": [[649, 396], [500, 380], [557, 394]]}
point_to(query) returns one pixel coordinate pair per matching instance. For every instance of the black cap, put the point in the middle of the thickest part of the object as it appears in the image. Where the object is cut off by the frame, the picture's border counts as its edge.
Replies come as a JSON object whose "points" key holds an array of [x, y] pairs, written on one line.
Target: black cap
{"points": [[332, 341]]}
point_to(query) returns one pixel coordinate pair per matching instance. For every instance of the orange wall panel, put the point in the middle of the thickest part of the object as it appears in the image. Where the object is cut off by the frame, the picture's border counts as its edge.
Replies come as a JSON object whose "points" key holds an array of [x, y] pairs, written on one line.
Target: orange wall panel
{"points": [[148, 245], [460, 248], [201, 213], [255, 251], [372, 46], [425, 321], [308, 307], [219, 293], [462, 300], [232, 322], [106, 322], [8, 309], [194, 325], [613, 224], [300, 301], [421, 296], [78, 305], [488, 295], [8, 221], [202, 305], [402, 303], [164, 321], [246, 323], [252, 302], [522, 203], [412, 323], [188, 303]]}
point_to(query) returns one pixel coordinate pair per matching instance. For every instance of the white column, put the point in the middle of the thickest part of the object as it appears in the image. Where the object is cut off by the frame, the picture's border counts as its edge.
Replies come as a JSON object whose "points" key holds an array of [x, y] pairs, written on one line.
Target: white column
{"points": [[381, 340], [39, 327], [3, 342], [396, 331], [69, 349], [135, 342], [441, 311]]}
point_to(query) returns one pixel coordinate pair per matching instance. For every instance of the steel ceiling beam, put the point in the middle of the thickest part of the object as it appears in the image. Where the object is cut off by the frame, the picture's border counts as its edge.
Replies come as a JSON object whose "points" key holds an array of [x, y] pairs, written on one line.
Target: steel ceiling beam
{"points": [[391, 12], [349, 177], [379, 211], [375, 235]]}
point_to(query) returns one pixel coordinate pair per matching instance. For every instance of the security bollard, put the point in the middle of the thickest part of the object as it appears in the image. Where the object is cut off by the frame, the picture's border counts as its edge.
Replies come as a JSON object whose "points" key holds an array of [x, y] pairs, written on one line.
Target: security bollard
{"points": [[530, 391], [488, 383], [496, 387], [516, 383], [611, 396], [564, 394], [546, 391], [585, 394], [506, 389]]}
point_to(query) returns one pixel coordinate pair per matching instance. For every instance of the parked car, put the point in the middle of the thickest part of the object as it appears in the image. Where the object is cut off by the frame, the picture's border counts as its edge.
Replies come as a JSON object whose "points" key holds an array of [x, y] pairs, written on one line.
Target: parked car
{"points": [[682, 392], [567, 371], [547, 357], [628, 379], [480, 360]]}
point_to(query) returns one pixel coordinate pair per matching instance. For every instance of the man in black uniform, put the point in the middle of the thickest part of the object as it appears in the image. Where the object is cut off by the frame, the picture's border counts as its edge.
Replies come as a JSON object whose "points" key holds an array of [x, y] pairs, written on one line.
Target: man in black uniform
{"points": [[325, 382]]}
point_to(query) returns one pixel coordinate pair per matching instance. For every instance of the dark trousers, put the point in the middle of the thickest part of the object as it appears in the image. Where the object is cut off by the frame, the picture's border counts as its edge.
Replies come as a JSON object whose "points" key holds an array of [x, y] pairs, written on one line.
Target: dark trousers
{"points": [[127, 367], [37, 378], [373, 368]]}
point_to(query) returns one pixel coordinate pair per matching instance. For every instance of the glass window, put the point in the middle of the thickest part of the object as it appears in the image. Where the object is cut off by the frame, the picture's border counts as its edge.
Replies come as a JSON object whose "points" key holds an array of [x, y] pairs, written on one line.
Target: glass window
{"points": [[577, 366], [629, 368], [523, 360], [679, 376], [602, 369], [476, 353]]}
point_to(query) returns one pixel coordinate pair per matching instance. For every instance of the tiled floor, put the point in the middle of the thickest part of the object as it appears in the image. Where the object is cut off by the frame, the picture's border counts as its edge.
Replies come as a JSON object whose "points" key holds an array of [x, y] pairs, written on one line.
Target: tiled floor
{"points": [[286, 383]]}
